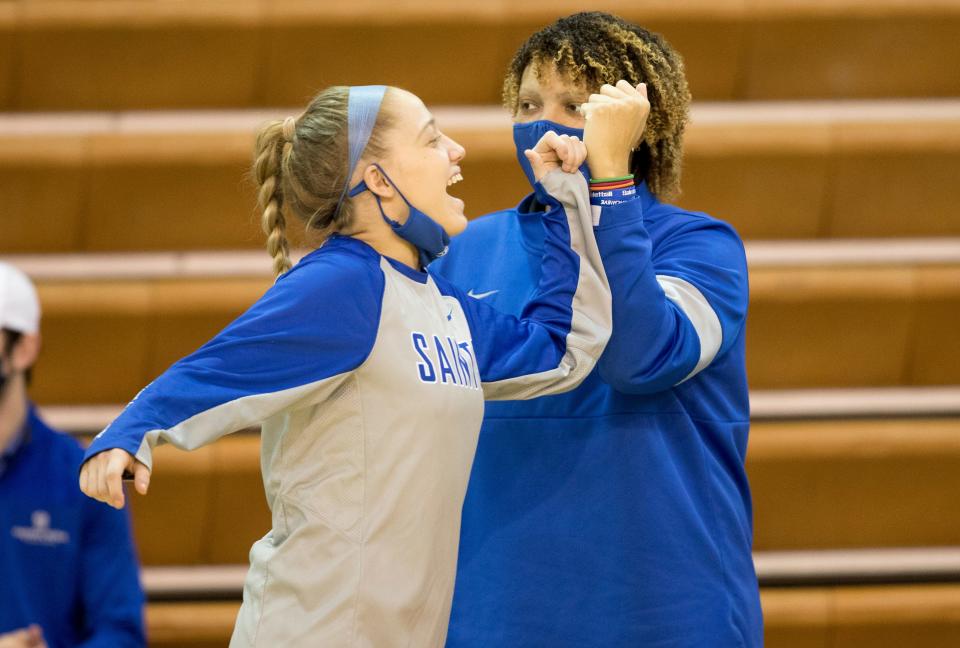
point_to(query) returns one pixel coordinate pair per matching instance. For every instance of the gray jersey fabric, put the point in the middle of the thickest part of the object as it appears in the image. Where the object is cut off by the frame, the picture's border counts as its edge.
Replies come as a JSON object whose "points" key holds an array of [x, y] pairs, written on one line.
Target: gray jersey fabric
{"points": [[365, 470]]}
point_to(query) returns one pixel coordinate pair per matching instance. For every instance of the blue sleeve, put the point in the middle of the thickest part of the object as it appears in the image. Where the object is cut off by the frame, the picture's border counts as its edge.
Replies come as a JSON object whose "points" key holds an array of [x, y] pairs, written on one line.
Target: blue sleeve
{"points": [[675, 307], [316, 324], [111, 598], [561, 332]]}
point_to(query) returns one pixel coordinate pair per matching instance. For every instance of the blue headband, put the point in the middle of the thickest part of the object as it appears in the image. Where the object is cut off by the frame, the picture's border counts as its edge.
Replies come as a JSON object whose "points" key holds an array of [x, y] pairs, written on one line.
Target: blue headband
{"points": [[363, 106]]}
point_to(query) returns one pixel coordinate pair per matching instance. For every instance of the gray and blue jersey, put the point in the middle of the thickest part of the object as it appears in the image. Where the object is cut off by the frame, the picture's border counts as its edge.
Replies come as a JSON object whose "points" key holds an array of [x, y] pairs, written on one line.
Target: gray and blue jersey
{"points": [[369, 379]]}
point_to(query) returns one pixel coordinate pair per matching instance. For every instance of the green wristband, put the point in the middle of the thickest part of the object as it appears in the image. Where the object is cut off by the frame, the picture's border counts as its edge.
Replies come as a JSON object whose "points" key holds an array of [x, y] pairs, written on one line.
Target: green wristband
{"points": [[621, 178]]}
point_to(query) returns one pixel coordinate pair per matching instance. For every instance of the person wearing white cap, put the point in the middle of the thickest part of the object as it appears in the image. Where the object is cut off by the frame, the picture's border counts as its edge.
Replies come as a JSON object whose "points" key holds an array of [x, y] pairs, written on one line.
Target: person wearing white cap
{"points": [[69, 568], [20, 346], [19, 306]]}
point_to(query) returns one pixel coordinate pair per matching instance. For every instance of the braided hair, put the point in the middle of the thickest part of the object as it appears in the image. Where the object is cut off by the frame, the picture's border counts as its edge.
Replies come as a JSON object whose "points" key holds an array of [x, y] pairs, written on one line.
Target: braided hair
{"points": [[300, 167]]}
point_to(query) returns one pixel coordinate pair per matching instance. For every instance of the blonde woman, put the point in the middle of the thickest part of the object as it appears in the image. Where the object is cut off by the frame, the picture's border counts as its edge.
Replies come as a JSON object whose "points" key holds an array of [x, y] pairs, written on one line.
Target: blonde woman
{"points": [[368, 375]]}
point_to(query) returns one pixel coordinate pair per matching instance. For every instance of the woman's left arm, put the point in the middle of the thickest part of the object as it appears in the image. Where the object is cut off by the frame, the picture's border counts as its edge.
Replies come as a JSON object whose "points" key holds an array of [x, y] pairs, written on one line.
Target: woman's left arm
{"points": [[676, 307]]}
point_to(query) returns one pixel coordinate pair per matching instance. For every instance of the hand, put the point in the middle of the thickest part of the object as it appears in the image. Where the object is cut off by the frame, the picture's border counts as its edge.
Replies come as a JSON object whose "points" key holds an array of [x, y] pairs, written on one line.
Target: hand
{"points": [[31, 637], [554, 152], [615, 121], [102, 476]]}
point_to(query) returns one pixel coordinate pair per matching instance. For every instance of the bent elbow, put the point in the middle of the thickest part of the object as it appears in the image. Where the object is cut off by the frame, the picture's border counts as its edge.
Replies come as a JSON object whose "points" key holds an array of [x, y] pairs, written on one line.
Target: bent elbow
{"points": [[635, 380]]}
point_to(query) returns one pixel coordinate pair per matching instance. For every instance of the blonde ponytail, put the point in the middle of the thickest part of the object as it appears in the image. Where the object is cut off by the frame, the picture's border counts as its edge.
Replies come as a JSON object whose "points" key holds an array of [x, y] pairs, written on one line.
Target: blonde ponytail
{"points": [[270, 150]]}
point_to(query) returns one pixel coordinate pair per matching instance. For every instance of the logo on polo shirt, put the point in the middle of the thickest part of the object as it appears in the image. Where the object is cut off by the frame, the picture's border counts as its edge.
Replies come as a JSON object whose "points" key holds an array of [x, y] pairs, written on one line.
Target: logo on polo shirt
{"points": [[40, 532], [483, 295]]}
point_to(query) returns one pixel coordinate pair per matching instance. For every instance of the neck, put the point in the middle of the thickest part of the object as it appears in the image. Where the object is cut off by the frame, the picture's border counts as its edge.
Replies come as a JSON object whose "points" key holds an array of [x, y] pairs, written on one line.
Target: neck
{"points": [[13, 410], [368, 226]]}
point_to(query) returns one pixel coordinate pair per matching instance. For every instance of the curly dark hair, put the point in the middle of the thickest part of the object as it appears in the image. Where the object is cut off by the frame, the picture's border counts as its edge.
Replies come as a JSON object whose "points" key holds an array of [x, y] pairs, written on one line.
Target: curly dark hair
{"points": [[597, 48]]}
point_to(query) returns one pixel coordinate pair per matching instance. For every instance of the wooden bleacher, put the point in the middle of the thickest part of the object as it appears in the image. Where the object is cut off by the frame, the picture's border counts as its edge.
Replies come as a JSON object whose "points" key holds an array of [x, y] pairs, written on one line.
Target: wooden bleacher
{"points": [[857, 479], [828, 468], [816, 485], [178, 181], [888, 616], [800, 616], [862, 483], [818, 568], [828, 314], [248, 53], [191, 624], [826, 131]]}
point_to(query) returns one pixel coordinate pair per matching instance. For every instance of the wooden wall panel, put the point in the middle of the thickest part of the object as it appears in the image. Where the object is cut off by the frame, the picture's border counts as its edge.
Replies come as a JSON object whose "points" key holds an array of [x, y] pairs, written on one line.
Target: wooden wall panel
{"points": [[832, 57], [850, 484]]}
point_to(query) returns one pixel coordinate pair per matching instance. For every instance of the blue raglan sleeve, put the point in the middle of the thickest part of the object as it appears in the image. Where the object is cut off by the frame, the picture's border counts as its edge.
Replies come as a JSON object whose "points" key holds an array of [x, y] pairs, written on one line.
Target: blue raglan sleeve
{"points": [[111, 598], [676, 307], [292, 347], [562, 330]]}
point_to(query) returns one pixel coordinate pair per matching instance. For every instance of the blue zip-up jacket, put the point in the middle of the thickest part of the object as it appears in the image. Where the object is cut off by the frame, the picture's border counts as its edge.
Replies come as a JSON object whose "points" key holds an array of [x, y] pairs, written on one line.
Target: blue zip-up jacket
{"points": [[617, 514], [67, 562]]}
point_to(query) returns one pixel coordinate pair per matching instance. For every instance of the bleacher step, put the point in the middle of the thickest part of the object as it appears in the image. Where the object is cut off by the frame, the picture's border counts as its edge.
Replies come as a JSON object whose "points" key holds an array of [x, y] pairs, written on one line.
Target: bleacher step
{"points": [[888, 616], [117, 54], [774, 569], [815, 321], [180, 180], [817, 484]]}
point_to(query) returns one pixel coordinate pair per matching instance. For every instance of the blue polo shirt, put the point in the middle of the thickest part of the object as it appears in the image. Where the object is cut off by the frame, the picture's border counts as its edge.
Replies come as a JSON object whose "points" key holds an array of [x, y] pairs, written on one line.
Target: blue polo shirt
{"points": [[67, 562]]}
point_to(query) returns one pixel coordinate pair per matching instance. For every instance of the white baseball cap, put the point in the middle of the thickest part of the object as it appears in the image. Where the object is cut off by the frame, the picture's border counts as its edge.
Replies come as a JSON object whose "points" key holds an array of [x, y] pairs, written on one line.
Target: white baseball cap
{"points": [[19, 306]]}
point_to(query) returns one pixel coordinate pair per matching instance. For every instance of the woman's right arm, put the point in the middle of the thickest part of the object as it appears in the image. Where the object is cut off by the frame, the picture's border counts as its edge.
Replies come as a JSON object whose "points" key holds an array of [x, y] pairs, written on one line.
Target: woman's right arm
{"points": [[560, 334], [314, 326]]}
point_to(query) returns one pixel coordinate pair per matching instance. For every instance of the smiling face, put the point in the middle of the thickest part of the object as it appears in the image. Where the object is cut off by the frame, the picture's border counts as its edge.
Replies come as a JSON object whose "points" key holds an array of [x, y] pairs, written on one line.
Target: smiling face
{"points": [[422, 162], [545, 93]]}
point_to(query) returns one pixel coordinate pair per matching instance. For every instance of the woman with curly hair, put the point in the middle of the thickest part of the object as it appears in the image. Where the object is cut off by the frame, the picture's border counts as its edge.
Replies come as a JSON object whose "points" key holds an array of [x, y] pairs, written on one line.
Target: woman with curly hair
{"points": [[617, 514]]}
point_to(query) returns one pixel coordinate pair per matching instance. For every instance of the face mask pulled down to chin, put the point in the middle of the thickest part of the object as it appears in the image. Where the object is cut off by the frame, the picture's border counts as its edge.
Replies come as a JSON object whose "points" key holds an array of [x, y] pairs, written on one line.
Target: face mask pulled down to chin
{"points": [[421, 230]]}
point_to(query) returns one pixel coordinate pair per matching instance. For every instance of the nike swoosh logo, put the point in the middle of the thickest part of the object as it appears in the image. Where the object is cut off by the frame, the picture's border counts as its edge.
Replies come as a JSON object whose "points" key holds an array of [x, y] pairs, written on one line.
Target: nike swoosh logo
{"points": [[470, 293]]}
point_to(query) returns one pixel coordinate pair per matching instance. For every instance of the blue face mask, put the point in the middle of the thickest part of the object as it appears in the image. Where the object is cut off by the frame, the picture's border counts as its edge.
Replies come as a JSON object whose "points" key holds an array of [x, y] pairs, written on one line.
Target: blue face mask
{"points": [[526, 136], [426, 234]]}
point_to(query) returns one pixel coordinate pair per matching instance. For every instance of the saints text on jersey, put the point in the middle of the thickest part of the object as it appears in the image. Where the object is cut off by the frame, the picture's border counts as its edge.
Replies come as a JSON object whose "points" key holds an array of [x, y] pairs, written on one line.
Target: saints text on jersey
{"points": [[445, 360]]}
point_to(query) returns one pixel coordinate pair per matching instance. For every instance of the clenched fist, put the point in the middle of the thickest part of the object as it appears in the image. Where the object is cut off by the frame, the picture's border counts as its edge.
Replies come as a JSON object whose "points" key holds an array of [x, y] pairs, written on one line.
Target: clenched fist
{"points": [[615, 121]]}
